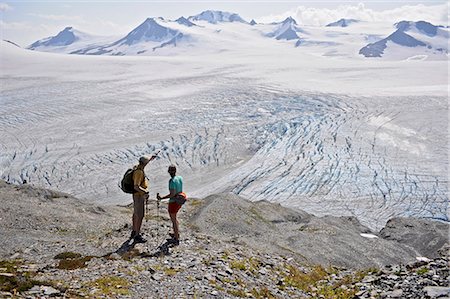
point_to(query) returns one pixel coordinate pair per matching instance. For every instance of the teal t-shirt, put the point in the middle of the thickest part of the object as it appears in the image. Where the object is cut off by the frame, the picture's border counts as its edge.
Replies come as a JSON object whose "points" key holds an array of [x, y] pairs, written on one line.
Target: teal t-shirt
{"points": [[176, 183]]}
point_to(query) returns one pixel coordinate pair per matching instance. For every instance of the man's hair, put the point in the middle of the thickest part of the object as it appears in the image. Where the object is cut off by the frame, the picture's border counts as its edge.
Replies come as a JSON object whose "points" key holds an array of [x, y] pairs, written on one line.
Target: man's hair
{"points": [[172, 168]]}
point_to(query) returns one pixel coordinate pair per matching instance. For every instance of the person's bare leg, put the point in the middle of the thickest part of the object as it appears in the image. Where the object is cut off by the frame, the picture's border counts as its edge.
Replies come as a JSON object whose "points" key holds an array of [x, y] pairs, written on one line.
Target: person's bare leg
{"points": [[138, 225], [134, 222], [138, 216], [176, 234]]}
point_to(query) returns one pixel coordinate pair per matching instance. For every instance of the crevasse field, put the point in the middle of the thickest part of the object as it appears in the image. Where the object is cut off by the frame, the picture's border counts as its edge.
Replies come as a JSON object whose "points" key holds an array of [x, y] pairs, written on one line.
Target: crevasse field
{"points": [[307, 127]]}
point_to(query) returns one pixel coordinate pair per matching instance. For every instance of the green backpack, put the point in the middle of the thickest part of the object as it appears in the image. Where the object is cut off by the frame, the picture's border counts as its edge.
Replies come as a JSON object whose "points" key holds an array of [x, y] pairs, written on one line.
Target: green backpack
{"points": [[127, 184]]}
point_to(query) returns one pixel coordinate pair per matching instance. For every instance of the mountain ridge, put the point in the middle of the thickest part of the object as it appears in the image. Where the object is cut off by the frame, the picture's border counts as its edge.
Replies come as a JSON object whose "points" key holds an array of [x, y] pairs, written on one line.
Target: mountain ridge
{"points": [[402, 37], [168, 36], [216, 16]]}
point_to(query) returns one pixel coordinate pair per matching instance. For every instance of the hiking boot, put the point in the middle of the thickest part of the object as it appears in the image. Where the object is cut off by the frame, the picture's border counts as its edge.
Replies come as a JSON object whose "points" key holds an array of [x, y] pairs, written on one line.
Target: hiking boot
{"points": [[133, 234], [139, 239]]}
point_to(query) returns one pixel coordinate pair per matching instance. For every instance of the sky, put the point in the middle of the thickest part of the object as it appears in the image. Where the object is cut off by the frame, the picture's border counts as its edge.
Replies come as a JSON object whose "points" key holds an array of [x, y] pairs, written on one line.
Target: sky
{"points": [[24, 22]]}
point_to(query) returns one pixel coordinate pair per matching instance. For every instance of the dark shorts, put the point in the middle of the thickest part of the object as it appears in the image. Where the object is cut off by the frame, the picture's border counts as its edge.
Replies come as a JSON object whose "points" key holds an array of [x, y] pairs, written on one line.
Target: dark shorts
{"points": [[138, 205], [174, 207]]}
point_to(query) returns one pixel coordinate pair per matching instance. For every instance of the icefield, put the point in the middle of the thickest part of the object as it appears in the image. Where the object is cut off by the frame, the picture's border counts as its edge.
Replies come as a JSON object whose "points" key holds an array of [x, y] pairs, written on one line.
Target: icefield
{"points": [[328, 135]]}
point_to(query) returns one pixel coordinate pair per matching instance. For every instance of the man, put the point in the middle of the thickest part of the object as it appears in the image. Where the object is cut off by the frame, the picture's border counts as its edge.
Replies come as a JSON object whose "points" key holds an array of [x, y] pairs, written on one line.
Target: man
{"points": [[175, 187], [139, 197]]}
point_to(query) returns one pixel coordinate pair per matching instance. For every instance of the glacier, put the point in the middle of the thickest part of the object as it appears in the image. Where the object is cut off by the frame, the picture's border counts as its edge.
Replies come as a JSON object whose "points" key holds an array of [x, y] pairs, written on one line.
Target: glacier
{"points": [[325, 135]]}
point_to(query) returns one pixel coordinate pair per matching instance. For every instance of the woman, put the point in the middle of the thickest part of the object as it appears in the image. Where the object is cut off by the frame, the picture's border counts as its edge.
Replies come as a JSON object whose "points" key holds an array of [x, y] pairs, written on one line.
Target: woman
{"points": [[175, 187]]}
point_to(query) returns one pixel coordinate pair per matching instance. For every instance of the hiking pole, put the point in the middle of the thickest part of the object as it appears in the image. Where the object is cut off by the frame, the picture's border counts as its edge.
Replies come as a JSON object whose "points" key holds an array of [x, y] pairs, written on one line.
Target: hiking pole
{"points": [[157, 219], [146, 210]]}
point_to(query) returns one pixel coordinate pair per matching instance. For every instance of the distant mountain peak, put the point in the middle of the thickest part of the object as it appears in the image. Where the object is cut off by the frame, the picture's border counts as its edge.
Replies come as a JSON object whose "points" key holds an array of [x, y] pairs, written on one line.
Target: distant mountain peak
{"points": [[63, 38], [402, 38], [149, 30], [149, 21], [286, 30], [253, 22], [289, 20], [342, 23], [217, 16], [184, 21], [422, 26]]}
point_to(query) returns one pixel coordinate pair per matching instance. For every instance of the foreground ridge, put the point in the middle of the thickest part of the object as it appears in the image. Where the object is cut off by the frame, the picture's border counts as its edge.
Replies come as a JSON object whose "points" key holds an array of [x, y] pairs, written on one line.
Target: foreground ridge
{"points": [[88, 254]]}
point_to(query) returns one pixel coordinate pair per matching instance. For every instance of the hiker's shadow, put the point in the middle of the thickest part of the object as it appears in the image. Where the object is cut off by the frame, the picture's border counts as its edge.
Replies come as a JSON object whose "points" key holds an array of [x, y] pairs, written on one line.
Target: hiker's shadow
{"points": [[127, 246], [162, 250]]}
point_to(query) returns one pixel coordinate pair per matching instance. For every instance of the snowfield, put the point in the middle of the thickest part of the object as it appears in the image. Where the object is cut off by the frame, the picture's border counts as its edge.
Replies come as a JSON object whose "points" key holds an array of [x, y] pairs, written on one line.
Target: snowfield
{"points": [[330, 133]]}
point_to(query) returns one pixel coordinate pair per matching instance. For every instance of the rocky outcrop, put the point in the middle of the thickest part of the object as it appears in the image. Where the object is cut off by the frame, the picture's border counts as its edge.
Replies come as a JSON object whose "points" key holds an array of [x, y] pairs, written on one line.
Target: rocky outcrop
{"points": [[426, 237], [422, 279]]}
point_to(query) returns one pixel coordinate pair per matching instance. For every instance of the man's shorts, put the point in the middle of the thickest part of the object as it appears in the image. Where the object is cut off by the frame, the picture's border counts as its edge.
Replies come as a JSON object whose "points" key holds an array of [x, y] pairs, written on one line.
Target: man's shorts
{"points": [[174, 207], [138, 204]]}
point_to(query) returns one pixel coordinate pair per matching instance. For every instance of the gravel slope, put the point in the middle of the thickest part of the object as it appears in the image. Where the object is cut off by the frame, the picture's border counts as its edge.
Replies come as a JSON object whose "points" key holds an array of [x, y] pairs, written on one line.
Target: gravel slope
{"points": [[230, 248]]}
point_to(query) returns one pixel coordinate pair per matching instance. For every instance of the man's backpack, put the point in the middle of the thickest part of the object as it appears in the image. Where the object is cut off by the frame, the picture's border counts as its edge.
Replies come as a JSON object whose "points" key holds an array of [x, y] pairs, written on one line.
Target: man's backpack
{"points": [[127, 184], [180, 198]]}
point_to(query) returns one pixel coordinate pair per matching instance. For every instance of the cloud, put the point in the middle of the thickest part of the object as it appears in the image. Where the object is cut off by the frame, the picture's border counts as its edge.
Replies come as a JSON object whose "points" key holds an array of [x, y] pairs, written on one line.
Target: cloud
{"points": [[14, 31], [437, 14], [15, 26], [59, 17], [5, 7], [25, 33], [94, 26]]}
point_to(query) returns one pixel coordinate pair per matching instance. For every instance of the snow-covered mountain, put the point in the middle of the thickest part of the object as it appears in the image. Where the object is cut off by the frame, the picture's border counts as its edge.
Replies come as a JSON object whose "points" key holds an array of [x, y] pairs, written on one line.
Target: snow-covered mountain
{"points": [[286, 30], [410, 39], [215, 16], [223, 31], [148, 36], [64, 38], [184, 21], [149, 30], [69, 40], [342, 23]]}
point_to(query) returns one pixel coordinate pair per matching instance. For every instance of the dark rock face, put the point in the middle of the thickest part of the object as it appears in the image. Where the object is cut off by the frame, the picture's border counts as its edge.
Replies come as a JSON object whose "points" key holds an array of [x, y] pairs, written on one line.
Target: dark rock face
{"points": [[426, 237], [12, 43]]}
